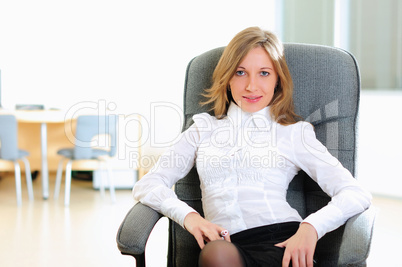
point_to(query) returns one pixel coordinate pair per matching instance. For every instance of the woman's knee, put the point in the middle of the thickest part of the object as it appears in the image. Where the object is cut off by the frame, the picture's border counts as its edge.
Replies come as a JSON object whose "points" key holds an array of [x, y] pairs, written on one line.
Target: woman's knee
{"points": [[220, 253]]}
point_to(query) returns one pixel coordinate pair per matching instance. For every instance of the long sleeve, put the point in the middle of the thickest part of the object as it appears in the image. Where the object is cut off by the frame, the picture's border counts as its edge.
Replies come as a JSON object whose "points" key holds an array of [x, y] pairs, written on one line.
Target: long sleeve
{"points": [[155, 188], [348, 198]]}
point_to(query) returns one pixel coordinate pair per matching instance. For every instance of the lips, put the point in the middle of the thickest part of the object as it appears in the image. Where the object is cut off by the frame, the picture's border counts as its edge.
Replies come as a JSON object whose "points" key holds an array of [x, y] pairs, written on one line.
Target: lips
{"points": [[252, 98]]}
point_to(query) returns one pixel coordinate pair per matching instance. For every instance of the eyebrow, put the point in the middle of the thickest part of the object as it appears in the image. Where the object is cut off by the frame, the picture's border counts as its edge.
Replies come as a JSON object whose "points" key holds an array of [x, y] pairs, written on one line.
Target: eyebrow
{"points": [[240, 67]]}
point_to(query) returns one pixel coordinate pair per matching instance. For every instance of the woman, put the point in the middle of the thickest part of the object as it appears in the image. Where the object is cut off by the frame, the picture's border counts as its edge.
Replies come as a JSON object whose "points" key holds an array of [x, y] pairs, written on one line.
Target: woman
{"points": [[246, 156]]}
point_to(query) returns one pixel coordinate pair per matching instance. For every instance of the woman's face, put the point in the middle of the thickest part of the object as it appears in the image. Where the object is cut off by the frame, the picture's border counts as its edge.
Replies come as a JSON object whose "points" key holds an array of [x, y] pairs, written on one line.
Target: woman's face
{"points": [[254, 82]]}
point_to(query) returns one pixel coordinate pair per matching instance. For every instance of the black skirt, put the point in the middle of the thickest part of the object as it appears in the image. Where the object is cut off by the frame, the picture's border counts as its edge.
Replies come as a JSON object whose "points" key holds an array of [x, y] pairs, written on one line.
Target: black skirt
{"points": [[257, 245]]}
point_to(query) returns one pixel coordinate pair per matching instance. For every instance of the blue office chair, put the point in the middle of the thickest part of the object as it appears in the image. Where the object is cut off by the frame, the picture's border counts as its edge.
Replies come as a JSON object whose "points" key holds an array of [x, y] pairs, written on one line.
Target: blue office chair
{"points": [[9, 151], [88, 127]]}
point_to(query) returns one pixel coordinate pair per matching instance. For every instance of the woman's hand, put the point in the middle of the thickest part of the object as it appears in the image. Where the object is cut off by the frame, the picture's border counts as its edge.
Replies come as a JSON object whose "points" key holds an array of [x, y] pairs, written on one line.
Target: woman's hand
{"points": [[300, 247], [202, 229]]}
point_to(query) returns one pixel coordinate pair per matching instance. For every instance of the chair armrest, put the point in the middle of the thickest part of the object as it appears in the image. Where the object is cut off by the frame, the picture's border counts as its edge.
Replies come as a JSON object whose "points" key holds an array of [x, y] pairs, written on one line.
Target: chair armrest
{"points": [[356, 240], [135, 229]]}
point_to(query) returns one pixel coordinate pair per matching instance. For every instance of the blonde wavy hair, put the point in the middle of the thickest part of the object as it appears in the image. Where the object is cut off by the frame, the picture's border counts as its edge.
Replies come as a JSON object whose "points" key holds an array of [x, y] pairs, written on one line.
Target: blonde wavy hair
{"points": [[281, 105]]}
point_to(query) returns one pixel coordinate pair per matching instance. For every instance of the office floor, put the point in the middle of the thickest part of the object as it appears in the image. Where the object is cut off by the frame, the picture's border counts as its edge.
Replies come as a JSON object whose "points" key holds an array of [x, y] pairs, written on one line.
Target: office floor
{"points": [[45, 233]]}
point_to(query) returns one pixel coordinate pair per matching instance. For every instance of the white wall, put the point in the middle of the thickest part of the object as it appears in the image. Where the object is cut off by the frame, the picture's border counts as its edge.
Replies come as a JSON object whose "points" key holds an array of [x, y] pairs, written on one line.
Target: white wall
{"points": [[380, 142], [127, 52]]}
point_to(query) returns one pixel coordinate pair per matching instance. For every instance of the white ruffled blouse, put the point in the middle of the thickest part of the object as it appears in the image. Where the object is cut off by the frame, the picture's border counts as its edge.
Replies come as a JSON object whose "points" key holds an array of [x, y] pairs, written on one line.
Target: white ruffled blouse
{"points": [[245, 163]]}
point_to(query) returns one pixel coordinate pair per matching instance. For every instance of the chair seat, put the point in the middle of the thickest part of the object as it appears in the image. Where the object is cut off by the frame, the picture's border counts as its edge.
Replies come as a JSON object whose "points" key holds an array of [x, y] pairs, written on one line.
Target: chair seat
{"points": [[20, 154], [69, 153]]}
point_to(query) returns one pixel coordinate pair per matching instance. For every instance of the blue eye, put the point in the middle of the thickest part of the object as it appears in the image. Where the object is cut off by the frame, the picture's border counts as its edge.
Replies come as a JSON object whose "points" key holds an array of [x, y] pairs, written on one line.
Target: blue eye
{"points": [[240, 73], [264, 73]]}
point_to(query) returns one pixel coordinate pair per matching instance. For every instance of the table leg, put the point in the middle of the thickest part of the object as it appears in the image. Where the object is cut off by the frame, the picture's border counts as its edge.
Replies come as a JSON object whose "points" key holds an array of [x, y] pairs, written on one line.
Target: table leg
{"points": [[45, 171]]}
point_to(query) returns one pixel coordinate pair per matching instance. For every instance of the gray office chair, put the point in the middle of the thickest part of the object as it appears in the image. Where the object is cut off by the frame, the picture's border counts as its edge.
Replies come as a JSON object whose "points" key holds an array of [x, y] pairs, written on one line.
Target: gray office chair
{"points": [[326, 93], [9, 151], [88, 127]]}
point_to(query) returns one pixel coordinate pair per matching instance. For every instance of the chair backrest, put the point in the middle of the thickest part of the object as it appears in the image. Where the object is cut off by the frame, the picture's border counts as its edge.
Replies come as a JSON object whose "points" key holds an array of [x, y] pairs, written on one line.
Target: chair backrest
{"points": [[8, 137], [89, 126], [326, 93]]}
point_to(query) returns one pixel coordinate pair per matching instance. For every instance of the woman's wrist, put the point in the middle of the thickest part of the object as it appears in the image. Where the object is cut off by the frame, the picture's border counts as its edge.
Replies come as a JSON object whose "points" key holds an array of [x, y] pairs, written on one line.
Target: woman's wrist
{"points": [[310, 228]]}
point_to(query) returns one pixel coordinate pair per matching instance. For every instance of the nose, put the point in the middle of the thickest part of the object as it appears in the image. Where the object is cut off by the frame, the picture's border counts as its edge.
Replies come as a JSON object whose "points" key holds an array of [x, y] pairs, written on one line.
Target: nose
{"points": [[251, 85]]}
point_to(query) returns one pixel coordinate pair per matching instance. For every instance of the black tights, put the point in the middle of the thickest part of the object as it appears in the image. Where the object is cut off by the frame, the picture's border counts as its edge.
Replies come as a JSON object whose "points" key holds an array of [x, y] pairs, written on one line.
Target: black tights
{"points": [[220, 253]]}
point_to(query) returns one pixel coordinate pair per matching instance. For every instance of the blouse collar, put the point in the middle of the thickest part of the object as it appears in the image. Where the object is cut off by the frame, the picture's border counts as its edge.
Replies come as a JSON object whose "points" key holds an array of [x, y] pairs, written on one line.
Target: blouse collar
{"points": [[260, 119]]}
